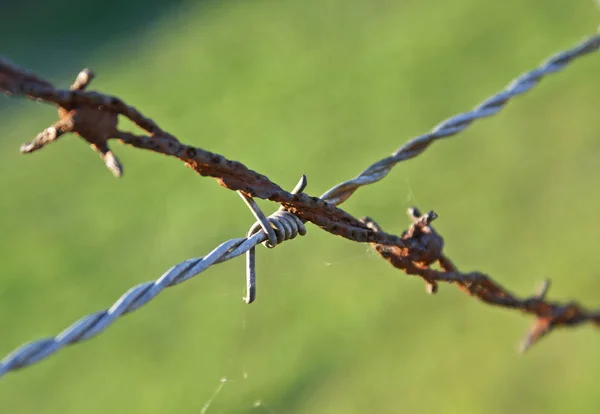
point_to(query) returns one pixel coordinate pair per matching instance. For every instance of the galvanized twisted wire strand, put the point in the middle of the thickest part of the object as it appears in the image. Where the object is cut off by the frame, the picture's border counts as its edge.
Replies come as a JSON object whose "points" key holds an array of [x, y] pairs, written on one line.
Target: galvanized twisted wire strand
{"points": [[285, 225], [92, 324], [460, 122]]}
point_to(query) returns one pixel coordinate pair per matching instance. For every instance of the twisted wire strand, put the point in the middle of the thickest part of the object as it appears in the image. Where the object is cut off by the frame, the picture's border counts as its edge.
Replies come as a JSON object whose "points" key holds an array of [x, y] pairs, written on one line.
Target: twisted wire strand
{"points": [[285, 226], [458, 123], [92, 324]]}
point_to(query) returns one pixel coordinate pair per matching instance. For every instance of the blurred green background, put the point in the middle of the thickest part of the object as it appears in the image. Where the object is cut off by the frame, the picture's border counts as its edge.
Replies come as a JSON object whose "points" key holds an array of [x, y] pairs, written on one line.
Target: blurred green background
{"points": [[322, 88]]}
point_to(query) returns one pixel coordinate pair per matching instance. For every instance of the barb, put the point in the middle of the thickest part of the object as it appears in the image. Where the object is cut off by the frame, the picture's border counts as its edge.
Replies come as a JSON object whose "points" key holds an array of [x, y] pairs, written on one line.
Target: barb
{"points": [[427, 251], [93, 116], [458, 123], [280, 226]]}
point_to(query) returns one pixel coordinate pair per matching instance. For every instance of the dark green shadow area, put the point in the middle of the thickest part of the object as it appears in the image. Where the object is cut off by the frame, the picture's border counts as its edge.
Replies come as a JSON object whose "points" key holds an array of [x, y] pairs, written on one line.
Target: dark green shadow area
{"points": [[58, 35]]}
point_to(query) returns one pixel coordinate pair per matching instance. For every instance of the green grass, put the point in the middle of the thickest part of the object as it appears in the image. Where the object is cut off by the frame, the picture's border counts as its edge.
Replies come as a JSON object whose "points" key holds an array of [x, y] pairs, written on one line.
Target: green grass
{"points": [[324, 89]]}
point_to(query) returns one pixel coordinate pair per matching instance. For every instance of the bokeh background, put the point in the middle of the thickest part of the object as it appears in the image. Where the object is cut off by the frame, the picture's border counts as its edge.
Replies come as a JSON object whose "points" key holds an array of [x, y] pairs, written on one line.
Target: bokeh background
{"points": [[322, 88]]}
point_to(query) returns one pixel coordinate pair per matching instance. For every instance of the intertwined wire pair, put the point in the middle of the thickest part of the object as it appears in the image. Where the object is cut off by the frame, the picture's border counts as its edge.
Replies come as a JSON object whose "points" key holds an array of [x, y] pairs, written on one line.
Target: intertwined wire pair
{"points": [[94, 117]]}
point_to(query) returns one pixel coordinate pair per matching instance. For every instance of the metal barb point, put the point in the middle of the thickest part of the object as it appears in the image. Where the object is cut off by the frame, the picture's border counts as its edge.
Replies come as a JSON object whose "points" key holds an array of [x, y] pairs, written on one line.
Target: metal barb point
{"points": [[280, 226]]}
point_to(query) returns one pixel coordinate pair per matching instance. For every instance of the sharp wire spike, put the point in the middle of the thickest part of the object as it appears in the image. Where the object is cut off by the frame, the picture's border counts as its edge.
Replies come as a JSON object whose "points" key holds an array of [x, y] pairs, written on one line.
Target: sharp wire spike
{"points": [[280, 226]]}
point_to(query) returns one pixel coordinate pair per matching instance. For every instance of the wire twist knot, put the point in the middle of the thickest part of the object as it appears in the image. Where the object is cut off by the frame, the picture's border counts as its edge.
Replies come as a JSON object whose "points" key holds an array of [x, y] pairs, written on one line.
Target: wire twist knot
{"points": [[286, 226], [278, 227]]}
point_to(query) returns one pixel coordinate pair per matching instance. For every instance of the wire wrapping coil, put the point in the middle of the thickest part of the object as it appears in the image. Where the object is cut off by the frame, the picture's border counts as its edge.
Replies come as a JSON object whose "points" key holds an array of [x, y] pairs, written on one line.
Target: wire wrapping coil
{"points": [[278, 227], [285, 224]]}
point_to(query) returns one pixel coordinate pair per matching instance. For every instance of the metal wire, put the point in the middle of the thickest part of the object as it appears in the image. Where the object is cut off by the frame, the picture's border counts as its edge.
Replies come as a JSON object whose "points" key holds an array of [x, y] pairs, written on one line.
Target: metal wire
{"points": [[93, 324], [458, 123], [281, 225], [286, 226], [278, 227]]}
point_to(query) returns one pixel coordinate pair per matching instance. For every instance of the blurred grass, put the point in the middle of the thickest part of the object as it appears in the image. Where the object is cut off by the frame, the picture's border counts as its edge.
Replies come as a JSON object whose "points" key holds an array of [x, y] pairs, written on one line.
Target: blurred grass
{"points": [[322, 88]]}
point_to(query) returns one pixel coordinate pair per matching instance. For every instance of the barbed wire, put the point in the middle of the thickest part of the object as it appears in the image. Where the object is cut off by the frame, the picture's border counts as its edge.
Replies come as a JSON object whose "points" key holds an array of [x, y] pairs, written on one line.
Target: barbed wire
{"points": [[93, 116]]}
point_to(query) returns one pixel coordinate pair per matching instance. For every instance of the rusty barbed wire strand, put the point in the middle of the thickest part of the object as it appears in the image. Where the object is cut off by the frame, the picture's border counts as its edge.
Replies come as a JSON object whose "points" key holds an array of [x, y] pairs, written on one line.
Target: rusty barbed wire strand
{"points": [[93, 116], [460, 122]]}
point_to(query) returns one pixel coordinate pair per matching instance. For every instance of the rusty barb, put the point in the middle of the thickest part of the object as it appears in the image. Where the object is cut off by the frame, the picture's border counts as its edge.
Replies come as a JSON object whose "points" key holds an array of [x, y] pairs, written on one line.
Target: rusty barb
{"points": [[94, 117], [425, 250]]}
